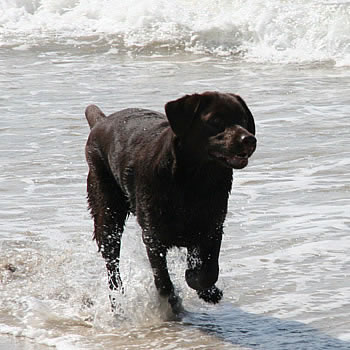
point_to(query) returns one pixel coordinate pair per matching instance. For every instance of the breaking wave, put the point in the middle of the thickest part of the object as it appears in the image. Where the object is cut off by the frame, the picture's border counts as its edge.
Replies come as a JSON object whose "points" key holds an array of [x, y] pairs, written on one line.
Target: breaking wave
{"points": [[274, 30]]}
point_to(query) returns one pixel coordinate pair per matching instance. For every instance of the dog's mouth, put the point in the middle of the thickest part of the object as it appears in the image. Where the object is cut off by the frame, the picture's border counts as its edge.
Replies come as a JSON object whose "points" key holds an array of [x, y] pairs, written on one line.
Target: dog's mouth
{"points": [[237, 161]]}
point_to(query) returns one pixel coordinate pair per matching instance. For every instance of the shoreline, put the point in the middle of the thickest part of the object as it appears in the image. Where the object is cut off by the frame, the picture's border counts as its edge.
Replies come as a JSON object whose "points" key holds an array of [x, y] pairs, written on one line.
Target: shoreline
{"points": [[8, 342]]}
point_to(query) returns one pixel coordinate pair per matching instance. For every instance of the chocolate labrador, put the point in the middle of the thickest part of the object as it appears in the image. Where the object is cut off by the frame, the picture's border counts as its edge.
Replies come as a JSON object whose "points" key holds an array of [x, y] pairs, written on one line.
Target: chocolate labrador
{"points": [[174, 172]]}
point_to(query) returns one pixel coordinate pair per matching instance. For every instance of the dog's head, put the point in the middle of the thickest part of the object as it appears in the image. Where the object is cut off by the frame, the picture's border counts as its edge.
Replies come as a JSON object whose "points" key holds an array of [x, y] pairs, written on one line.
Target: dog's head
{"points": [[214, 127]]}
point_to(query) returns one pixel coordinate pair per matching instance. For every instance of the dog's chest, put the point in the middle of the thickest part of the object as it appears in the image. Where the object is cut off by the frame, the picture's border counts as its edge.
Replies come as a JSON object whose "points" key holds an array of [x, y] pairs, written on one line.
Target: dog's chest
{"points": [[182, 219], [178, 211]]}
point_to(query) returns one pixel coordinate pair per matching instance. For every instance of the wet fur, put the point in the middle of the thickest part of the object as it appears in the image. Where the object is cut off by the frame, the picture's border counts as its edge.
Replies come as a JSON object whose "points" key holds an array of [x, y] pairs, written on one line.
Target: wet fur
{"points": [[174, 172]]}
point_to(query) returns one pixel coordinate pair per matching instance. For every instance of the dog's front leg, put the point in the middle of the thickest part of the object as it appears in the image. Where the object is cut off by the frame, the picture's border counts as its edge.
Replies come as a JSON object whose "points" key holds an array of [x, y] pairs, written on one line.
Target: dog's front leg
{"points": [[203, 269], [157, 256]]}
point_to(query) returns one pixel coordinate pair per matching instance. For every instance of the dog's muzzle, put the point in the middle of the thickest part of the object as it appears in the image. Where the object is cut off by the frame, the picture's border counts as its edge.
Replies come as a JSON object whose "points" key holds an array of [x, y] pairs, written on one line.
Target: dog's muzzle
{"points": [[234, 154]]}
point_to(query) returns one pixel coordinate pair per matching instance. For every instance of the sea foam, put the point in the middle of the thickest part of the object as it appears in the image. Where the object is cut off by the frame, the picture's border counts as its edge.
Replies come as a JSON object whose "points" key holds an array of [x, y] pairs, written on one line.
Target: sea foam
{"points": [[274, 30]]}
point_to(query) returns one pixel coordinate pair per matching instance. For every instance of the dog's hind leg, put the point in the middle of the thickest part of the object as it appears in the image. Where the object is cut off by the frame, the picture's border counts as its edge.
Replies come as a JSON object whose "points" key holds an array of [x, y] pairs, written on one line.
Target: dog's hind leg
{"points": [[109, 209]]}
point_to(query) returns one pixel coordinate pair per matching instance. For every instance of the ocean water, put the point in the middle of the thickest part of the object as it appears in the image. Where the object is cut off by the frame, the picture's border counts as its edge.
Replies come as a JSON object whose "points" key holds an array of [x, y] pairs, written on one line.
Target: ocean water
{"points": [[284, 264]]}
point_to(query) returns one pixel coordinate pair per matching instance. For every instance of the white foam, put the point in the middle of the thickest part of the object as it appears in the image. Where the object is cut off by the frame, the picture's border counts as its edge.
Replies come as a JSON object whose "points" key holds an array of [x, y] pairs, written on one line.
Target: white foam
{"points": [[277, 31]]}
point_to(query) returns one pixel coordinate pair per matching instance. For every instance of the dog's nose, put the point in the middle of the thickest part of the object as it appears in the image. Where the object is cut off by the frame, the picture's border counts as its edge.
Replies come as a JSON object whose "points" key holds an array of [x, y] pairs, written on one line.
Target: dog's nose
{"points": [[249, 143], [248, 140]]}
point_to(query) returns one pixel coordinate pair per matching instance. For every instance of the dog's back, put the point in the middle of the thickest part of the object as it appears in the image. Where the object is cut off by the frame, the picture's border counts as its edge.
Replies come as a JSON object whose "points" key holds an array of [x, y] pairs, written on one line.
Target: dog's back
{"points": [[129, 119]]}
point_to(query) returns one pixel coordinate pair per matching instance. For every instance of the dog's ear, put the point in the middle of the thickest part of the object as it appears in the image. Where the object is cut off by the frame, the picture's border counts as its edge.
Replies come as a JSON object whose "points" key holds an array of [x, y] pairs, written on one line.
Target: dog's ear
{"points": [[181, 113], [250, 121]]}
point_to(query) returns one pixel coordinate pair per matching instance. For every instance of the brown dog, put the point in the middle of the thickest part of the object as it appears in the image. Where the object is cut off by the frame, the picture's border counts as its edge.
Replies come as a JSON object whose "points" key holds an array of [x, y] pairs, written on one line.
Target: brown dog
{"points": [[174, 173]]}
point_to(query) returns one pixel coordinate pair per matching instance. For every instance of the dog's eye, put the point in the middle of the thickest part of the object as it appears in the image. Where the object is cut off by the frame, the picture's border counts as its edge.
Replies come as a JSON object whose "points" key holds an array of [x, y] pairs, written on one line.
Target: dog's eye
{"points": [[215, 125]]}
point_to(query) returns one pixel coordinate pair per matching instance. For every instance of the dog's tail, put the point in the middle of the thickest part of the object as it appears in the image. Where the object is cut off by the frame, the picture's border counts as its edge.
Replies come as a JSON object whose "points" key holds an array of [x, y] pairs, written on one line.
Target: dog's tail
{"points": [[93, 115]]}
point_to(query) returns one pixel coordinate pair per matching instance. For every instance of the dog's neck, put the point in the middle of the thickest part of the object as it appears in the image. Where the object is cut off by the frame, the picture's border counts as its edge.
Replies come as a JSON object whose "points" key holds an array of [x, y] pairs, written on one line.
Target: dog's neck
{"points": [[173, 160], [187, 167]]}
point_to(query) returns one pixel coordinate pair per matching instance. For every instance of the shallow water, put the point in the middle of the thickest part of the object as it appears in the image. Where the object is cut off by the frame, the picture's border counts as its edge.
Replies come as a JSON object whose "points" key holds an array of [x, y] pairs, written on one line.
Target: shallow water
{"points": [[284, 264]]}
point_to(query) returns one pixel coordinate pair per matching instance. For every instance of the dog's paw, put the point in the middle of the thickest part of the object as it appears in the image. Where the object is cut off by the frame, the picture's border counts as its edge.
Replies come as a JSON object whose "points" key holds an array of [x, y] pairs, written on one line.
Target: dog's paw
{"points": [[211, 295], [176, 304]]}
